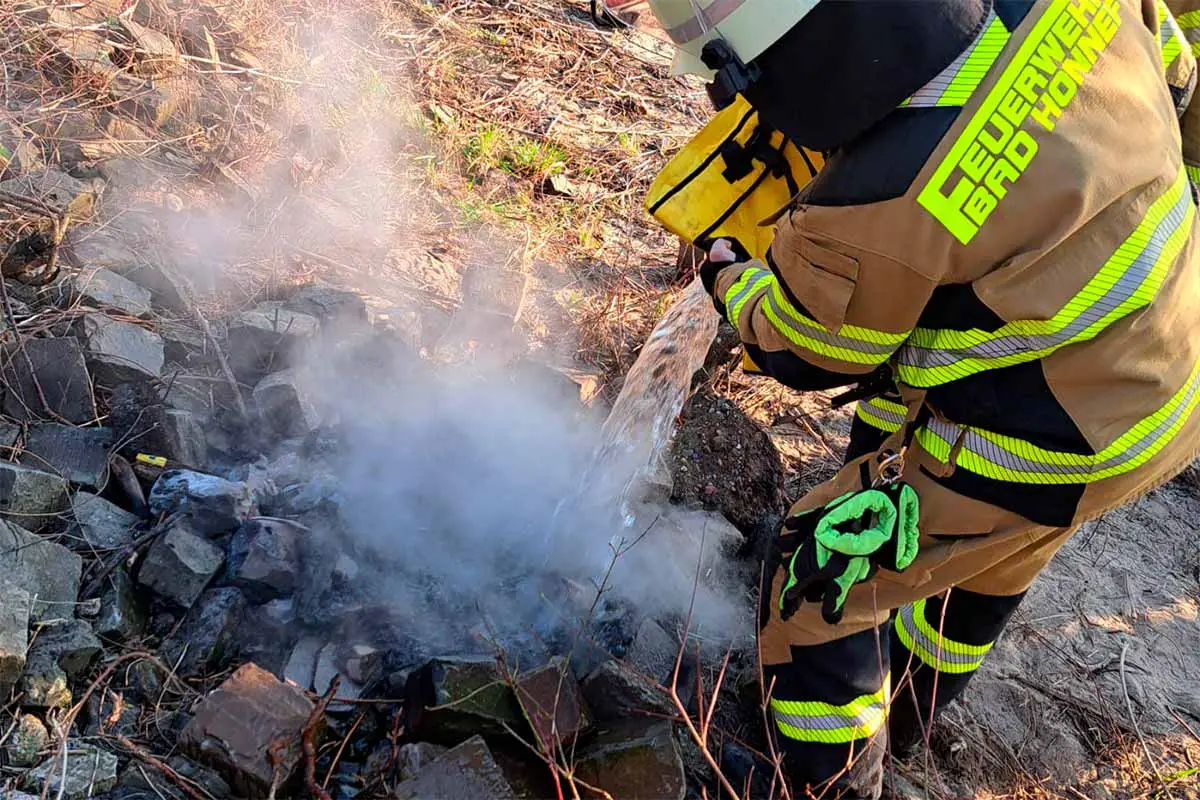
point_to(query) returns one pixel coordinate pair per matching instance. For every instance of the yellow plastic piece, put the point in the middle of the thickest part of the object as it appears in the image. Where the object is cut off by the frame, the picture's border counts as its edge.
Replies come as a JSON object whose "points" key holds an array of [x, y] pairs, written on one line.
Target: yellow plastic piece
{"points": [[154, 461]]}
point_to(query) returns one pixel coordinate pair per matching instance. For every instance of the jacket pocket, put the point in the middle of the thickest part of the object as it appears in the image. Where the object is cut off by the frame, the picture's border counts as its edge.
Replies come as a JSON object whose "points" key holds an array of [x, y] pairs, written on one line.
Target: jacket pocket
{"points": [[822, 280]]}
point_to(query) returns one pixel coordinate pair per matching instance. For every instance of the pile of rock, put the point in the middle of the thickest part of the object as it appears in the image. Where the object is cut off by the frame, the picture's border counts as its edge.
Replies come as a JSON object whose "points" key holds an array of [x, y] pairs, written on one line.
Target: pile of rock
{"points": [[153, 538]]}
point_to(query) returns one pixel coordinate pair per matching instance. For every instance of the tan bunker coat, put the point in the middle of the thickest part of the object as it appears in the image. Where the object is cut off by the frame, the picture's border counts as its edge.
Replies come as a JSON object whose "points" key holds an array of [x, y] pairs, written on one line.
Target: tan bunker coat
{"points": [[1033, 290]]}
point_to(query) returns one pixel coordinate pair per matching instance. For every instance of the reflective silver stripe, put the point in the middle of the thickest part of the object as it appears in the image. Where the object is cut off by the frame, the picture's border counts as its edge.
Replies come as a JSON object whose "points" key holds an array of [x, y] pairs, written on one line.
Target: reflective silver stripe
{"points": [[985, 448], [1191, 34], [885, 414], [913, 355], [706, 20], [747, 290], [931, 646], [784, 313], [930, 93], [867, 718]]}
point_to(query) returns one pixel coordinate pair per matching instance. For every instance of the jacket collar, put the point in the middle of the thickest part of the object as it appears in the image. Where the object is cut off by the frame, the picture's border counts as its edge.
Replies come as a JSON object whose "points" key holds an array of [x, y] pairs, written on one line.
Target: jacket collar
{"points": [[851, 62]]}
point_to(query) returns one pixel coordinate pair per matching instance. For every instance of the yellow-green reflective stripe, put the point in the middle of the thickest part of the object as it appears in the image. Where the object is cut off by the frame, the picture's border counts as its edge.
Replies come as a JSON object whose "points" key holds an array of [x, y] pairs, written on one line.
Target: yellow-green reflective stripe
{"points": [[751, 281], [1193, 172], [935, 650], [851, 343], [1010, 459], [1128, 281], [983, 55], [1170, 35], [1171, 50], [1189, 19], [809, 721], [953, 85], [883, 414]]}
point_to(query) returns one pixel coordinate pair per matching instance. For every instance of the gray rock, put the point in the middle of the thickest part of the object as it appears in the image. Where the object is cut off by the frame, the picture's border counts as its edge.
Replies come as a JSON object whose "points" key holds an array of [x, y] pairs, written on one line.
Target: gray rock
{"points": [[551, 701], [90, 772], [43, 683], [654, 651], [121, 615], [30, 497], [49, 572], [635, 759], [265, 338], [326, 671], [109, 714], [27, 741], [210, 635], [58, 366], [10, 434], [205, 778], [234, 728], [78, 454], [360, 663], [70, 644], [345, 570], [152, 785], [107, 289], [143, 681], [183, 341], [452, 698], [179, 565], [185, 438], [190, 393], [122, 350], [615, 692], [468, 770], [415, 756], [301, 667], [268, 634], [283, 404], [214, 505], [101, 525], [56, 189], [99, 248], [15, 605], [264, 559], [328, 304]]}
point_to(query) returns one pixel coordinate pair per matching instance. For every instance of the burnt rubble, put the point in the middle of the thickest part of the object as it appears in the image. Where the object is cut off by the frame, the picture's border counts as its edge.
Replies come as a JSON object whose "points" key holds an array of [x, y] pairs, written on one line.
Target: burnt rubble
{"points": [[182, 613]]}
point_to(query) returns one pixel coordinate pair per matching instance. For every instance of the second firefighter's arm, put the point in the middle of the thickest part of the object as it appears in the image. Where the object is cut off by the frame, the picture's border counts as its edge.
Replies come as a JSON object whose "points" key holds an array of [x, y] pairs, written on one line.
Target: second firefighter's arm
{"points": [[1178, 24], [820, 313]]}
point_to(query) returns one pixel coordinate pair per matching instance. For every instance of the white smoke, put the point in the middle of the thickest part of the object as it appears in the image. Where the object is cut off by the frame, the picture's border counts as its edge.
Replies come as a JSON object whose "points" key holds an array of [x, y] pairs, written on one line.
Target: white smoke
{"points": [[460, 489]]}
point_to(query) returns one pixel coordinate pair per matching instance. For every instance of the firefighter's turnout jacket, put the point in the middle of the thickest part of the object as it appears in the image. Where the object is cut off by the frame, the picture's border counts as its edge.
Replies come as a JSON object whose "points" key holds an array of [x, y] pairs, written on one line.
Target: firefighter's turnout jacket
{"points": [[1011, 252]]}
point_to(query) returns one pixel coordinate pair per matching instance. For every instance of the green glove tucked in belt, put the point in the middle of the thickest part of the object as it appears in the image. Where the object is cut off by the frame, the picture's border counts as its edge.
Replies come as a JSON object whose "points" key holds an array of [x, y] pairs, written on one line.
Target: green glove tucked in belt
{"points": [[843, 543]]}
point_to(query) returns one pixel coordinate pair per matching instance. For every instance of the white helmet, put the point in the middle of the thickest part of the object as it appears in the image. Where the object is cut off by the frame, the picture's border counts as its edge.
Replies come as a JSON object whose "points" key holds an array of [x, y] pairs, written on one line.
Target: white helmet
{"points": [[748, 26]]}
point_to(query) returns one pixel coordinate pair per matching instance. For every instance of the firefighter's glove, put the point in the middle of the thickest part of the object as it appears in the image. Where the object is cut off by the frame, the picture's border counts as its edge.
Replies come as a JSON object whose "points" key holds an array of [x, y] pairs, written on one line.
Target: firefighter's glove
{"points": [[723, 253], [844, 543]]}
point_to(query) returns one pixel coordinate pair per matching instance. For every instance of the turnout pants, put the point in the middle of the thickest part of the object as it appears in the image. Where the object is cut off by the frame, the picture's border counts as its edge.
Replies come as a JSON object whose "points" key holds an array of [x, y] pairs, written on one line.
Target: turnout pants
{"points": [[908, 643]]}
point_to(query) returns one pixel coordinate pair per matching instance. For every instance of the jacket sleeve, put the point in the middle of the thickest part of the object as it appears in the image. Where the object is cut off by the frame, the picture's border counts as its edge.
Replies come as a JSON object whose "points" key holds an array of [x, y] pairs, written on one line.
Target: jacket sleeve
{"points": [[821, 312], [1179, 32]]}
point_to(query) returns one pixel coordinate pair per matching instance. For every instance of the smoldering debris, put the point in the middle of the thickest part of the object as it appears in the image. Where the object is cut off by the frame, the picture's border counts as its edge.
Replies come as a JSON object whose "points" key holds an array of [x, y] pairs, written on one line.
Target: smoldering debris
{"points": [[377, 529]]}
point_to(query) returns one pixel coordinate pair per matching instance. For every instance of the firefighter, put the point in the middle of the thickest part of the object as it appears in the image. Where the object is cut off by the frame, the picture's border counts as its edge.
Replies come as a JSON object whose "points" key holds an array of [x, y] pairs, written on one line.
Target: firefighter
{"points": [[998, 255]]}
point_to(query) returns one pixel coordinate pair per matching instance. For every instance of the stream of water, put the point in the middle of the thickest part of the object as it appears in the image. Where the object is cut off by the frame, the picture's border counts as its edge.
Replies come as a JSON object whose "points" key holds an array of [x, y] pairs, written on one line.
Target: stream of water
{"points": [[631, 455]]}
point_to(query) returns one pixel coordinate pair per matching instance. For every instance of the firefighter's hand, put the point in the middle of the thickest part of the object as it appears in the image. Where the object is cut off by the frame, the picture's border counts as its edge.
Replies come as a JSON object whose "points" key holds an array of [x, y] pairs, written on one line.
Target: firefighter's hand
{"points": [[722, 254], [844, 543]]}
